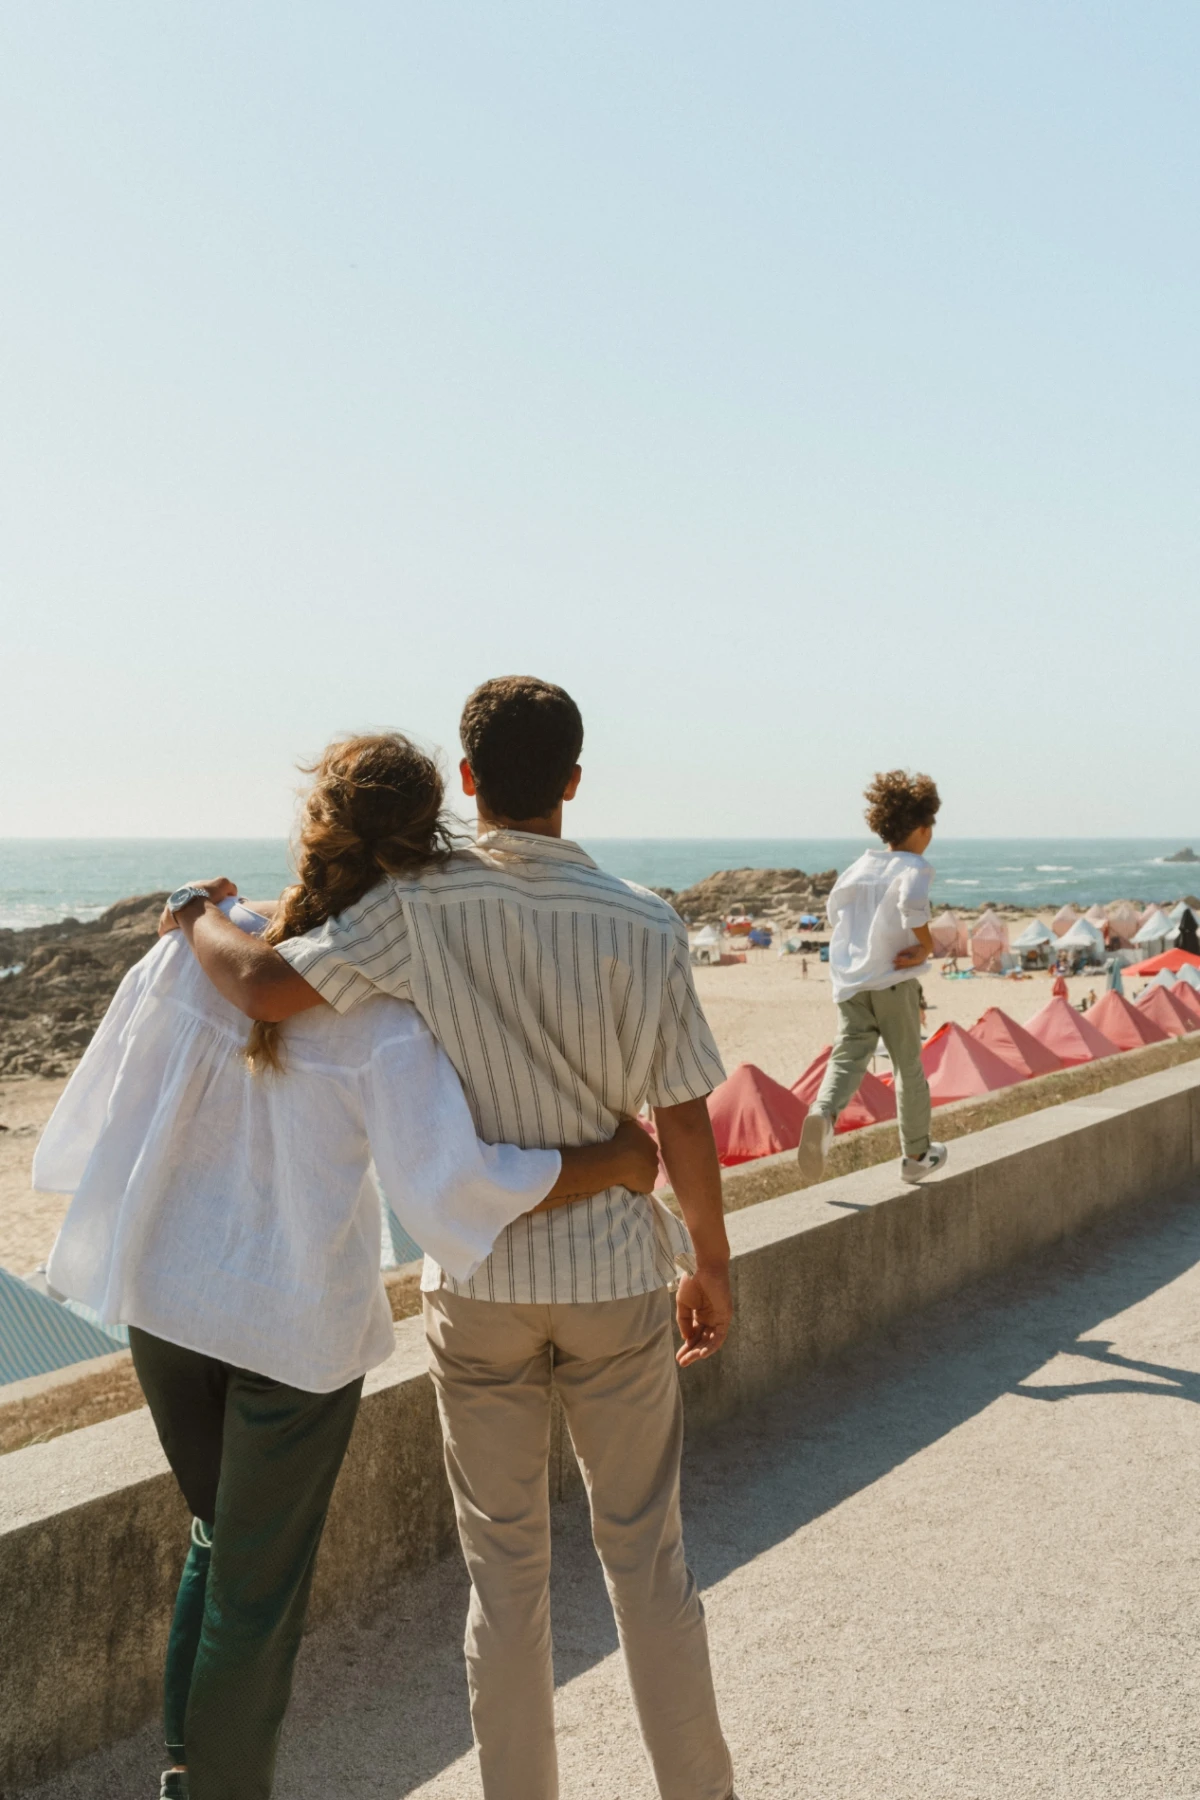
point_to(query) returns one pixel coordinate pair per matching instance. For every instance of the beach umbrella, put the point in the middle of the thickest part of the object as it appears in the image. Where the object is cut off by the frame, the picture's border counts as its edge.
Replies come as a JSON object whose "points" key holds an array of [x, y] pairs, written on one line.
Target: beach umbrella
{"points": [[1072, 1038], [1169, 959], [753, 1116], [874, 1102], [1161, 1005], [1115, 983], [959, 1066], [38, 1335], [1016, 1046], [1129, 1027]]}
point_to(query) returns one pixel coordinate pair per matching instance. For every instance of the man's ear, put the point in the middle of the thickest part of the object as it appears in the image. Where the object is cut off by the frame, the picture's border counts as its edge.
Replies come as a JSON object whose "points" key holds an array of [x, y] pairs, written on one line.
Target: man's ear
{"points": [[572, 787], [468, 779]]}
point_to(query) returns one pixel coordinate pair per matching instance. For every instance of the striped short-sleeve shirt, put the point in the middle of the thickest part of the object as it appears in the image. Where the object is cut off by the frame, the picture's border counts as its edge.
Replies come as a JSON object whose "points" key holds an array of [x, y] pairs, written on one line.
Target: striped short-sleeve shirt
{"points": [[564, 998]]}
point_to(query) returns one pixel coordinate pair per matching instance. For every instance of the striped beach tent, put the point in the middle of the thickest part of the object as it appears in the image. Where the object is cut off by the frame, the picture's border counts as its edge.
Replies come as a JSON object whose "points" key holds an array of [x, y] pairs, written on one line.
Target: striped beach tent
{"points": [[38, 1335]]}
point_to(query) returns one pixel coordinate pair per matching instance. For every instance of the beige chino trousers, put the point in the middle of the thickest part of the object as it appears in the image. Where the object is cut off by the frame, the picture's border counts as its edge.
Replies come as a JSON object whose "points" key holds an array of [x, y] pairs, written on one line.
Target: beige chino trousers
{"points": [[494, 1367]]}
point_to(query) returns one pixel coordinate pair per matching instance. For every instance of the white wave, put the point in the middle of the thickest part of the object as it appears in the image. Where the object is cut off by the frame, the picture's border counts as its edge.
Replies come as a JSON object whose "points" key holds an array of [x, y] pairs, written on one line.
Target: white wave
{"points": [[953, 883], [1056, 869]]}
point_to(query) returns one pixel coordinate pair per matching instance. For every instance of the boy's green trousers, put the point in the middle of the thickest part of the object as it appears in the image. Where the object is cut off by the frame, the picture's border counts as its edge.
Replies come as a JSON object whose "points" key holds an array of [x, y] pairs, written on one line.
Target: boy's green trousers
{"points": [[893, 1014], [256, 1462]]}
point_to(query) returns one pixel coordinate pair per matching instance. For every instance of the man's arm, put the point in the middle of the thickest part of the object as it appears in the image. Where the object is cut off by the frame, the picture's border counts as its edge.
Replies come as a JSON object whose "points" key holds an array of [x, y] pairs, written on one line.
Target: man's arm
{"points": [[250, 974], [629, 1159], [703, 1303]]}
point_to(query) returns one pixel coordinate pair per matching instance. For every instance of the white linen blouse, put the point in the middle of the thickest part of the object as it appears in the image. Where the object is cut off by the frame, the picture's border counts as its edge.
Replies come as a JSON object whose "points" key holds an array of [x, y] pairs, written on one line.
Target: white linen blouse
{"points": [[235, 1214]]}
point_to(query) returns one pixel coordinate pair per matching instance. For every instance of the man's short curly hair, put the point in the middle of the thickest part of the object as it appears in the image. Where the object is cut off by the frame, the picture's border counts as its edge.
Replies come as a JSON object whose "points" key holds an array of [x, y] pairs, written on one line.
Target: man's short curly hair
{"points": [[522, 738], [899, 804]]}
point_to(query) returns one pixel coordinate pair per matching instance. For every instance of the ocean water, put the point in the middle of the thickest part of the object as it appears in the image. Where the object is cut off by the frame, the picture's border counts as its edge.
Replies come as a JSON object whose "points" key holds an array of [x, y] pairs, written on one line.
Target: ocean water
{"points": [[43, 879]]}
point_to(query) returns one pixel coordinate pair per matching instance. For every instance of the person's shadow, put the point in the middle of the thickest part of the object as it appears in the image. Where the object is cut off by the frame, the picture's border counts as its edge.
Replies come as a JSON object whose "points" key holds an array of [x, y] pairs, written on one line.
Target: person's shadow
{"points": [[1175, 1384]]}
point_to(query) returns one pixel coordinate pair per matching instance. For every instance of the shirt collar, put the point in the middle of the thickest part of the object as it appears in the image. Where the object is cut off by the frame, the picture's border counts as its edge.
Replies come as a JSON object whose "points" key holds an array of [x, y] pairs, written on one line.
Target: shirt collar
{"points": [[531, 846]]}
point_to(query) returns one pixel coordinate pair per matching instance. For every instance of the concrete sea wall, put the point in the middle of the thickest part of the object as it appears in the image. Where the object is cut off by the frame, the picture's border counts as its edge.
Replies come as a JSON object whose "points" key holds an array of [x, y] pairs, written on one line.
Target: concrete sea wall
{"points": [[92, 1531]]}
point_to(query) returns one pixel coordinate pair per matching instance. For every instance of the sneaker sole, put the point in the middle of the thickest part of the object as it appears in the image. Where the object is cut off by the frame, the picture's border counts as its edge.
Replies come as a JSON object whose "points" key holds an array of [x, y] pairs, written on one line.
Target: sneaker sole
{"points": [[810, 1158]]}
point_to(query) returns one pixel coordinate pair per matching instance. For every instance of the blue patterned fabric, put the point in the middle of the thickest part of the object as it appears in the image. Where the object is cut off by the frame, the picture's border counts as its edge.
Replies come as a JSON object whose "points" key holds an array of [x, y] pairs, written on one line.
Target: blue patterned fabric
{"points": [[38, 1335]]}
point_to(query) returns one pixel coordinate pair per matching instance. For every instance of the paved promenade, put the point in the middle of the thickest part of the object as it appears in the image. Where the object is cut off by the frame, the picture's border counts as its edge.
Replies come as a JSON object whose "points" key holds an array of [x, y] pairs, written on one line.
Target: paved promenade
{"points": [[963, 1566]]}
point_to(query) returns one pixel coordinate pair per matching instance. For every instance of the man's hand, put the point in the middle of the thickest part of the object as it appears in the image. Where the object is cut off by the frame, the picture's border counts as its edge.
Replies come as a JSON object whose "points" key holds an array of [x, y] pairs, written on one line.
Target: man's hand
{"points": [[704, 1308], [217, 890]]}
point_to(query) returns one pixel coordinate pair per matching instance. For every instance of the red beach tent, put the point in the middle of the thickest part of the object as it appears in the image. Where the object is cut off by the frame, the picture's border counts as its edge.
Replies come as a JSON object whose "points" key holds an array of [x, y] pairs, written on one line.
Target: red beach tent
{"points": [[1161, 1005], [874, 1102], [1068, 1033], [1170, 959], [1027, 1055], [959, 1066], [1129, 1026], [753, 1116]]}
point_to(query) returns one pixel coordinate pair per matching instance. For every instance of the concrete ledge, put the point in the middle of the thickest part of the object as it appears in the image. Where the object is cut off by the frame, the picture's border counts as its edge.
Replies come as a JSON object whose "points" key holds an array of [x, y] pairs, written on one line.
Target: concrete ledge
{"points": [[93, 1532]]}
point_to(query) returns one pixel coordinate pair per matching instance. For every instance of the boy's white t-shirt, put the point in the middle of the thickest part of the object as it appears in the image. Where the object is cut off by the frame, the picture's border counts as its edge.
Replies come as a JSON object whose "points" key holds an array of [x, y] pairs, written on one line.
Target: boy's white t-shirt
{"points": [[873, 909]]}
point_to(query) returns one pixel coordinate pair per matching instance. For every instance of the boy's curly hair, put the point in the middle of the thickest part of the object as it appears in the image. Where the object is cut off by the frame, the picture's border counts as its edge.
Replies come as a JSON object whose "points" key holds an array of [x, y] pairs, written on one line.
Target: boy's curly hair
{"points": [[899, 804]]}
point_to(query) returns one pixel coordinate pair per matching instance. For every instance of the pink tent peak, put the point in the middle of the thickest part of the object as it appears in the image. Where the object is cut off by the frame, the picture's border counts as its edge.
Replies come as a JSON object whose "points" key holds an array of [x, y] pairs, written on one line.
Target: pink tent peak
{"points": [[1129, 1026], [1068, 1034], [1161, 1005], [959, 1066], [1013, 1044], [753, 1116], [1064, 918], [873, 1103], [1188, 999]]}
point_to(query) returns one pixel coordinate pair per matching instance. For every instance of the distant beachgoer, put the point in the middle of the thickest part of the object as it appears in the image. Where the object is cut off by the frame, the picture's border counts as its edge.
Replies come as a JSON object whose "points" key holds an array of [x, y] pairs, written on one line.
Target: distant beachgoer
{"points": [[230, 1219], [804, 967], [1060, 989], [879, 912]]}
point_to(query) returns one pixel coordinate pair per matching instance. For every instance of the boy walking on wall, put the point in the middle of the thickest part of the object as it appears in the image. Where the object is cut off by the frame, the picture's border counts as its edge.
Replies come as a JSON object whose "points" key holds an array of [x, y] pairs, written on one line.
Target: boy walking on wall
{"points": [[879, 914]]}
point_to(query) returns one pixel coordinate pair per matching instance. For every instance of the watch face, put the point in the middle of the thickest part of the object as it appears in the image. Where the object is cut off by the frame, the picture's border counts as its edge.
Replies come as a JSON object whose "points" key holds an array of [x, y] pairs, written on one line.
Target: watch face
{"points": [[181, 897]]}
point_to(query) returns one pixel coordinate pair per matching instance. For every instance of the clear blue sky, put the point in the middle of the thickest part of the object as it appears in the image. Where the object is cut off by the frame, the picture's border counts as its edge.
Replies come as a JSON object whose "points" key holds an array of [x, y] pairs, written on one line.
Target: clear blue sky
{"points": [[808, 388]]}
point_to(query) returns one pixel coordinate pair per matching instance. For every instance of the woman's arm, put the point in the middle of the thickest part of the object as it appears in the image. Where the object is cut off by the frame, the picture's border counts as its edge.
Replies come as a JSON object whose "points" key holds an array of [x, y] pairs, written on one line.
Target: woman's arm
{"points": [[629, 1159], [249, 974]]}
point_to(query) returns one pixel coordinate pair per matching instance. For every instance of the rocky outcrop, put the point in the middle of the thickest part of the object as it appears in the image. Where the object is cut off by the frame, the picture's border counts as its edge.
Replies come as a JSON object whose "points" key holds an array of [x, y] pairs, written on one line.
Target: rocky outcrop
{"points": [[66, 975], [1182, 856], [760, 892]]}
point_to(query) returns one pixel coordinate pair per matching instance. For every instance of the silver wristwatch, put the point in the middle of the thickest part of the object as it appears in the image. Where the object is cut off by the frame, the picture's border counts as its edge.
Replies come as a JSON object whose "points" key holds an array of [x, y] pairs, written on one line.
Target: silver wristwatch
{"points": [[183, 897]]}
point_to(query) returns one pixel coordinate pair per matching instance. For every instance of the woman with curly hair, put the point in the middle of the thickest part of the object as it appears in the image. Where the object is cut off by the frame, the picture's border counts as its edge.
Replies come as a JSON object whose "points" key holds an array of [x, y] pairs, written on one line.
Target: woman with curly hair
{"points": [[879, 914], [225, 1210]]}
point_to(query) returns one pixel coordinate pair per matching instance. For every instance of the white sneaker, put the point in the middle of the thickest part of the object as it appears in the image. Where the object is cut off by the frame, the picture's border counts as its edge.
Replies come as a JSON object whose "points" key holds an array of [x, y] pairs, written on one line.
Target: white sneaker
{"points": [[914, 1169], [816, 1135]]}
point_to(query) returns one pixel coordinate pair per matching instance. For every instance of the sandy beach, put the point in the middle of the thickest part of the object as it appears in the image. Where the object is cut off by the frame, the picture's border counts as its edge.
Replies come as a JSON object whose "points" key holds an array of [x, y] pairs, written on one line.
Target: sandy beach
{"points": [[762, 1011]]}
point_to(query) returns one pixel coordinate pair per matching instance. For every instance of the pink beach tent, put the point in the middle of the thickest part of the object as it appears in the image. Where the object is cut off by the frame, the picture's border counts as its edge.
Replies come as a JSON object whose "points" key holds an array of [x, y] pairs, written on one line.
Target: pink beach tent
{"points": [[989, 944], [1068, 1033], [1130, 1027], [872, 1105], [1064, 918], [753, 1116], [1160, 1004], [949, 934], [1123, 921], [959, 1066], [1013, 1044], [1187, 1000]]}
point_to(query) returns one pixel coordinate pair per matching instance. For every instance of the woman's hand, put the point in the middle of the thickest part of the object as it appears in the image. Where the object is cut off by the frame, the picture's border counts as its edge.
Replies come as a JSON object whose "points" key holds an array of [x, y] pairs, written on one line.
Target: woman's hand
{"points": [[629, 1159], [217, 890], [639, 1155]]}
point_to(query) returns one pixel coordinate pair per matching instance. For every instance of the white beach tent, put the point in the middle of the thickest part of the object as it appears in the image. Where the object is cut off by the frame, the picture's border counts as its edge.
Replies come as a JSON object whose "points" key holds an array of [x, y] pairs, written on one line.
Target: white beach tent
{"points": [[1191, 974], [1036, 942], [1165, 978], [1083, 936], [1151, 936], [1176, 913]]}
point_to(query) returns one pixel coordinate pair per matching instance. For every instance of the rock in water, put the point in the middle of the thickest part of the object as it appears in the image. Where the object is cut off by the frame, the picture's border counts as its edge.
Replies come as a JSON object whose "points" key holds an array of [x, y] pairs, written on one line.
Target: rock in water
{"points": [[67, 974], [753, 891]]}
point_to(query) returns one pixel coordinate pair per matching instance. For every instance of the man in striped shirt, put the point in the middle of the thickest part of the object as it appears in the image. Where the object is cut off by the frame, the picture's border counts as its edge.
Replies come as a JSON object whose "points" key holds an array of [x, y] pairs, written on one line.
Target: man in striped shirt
{"points": [[564, 998]]}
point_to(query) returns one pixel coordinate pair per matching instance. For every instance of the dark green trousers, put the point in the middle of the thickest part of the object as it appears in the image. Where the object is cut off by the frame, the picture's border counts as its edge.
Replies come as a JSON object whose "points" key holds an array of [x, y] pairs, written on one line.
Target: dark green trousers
{"points": [[256, 1462]]}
